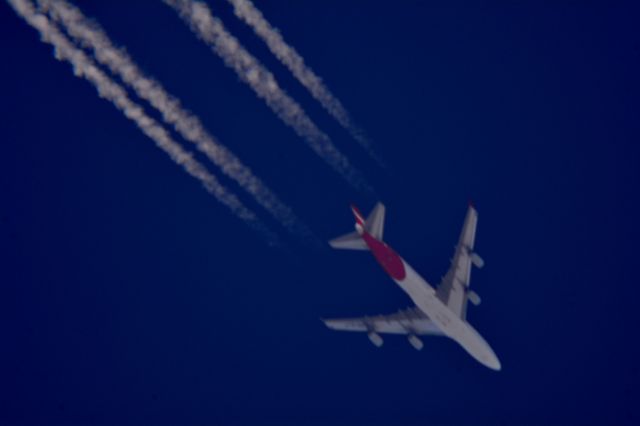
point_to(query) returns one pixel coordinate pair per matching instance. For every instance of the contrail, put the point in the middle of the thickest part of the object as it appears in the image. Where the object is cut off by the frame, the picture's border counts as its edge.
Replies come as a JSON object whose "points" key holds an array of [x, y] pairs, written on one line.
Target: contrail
{"points": [[212, 31], [90, 35], [246, 10], [84, 67]]}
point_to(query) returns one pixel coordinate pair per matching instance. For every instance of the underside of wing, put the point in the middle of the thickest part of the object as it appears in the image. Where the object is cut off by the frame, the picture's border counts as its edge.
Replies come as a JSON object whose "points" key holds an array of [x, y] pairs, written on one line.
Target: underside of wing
{"points": [[408, 321], [454, 288]]}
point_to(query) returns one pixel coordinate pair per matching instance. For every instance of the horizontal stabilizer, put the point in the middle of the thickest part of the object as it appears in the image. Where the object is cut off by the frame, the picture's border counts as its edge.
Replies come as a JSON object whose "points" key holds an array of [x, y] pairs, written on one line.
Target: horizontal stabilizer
{"points": [[375, 222], [351, 241], [374, 225]]}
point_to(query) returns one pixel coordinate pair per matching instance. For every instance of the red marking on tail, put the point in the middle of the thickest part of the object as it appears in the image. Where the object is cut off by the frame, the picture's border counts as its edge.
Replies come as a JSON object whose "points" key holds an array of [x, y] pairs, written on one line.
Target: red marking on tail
{"points": [[357, 214]]}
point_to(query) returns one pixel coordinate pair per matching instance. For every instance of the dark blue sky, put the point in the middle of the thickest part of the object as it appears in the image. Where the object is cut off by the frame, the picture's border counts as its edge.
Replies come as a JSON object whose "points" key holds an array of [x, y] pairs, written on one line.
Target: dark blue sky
{"points": [[128, 294]]}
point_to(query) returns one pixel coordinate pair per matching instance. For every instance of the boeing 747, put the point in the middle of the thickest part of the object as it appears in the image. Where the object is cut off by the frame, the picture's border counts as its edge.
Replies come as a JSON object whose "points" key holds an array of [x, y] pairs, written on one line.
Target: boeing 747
{"points": [[438, 311]]}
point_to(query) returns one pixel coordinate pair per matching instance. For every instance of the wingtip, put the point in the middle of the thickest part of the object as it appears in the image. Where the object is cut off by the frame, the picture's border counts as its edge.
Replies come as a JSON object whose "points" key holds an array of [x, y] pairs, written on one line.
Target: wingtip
{"points": [[497, 366], [328, 323]]}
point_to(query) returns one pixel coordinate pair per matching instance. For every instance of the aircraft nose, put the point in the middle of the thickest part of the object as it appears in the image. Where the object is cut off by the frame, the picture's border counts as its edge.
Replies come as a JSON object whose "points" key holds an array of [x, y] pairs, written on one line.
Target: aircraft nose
{"points": [[494, 363]]}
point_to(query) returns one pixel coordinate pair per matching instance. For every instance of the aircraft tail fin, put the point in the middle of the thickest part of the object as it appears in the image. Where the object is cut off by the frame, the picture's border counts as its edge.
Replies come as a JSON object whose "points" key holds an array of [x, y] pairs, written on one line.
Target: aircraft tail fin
{"points": [[373, 224]]}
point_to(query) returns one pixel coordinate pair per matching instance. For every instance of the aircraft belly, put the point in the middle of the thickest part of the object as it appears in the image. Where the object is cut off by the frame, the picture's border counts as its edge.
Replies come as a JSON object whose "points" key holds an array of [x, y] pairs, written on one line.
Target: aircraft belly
{"points": [[424, 296]]}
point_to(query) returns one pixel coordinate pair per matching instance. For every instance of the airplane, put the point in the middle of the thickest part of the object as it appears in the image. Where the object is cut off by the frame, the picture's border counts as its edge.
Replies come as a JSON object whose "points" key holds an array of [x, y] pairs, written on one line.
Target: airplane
{"points": [[438, 311]]}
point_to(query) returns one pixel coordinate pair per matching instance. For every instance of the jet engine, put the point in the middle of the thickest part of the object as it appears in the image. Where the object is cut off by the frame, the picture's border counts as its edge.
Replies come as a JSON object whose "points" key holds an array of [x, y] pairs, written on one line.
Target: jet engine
{"points": [[415, 342], [375, 338], [477, 260], [473, 297]]}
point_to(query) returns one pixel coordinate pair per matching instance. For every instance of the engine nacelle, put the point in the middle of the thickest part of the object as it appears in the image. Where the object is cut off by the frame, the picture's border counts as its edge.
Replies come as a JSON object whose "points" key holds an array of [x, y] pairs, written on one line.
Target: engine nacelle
{"points": [[477, 260], [375, 338], [473, 297], [415, 342]]}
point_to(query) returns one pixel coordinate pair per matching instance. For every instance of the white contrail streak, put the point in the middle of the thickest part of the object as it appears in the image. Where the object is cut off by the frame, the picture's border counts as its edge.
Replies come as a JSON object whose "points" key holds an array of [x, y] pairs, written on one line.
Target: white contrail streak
{"points": [[246, 10], [84, 67], [90, 35], [212, 31]]}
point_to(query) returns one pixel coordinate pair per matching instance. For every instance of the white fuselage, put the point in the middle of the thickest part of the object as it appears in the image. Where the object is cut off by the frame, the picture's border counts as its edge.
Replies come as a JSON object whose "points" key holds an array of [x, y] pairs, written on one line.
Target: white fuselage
{"points": [[424, 296]]}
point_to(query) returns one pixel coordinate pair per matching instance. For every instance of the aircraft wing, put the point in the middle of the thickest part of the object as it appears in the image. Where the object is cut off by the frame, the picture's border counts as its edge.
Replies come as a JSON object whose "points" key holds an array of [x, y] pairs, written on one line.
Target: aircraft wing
{"points": [[408, 321], [454, 288]]}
